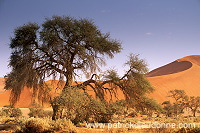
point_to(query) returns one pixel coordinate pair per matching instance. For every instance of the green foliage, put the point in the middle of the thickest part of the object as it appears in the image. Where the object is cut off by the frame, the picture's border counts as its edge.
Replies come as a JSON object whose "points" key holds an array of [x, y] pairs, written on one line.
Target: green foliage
{"points": [[178, 106], [172, 109], [149, 105], [134, 85], [60, 47], [177, 95], [137, 65], [111, 75], [181, 101], [11, 111], [193, 103], [102, 111], [80, 107]]}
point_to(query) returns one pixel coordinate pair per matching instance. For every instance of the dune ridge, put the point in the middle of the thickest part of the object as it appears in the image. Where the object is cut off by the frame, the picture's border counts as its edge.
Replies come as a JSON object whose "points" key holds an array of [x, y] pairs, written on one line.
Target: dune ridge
{"points": [[171, 68]]}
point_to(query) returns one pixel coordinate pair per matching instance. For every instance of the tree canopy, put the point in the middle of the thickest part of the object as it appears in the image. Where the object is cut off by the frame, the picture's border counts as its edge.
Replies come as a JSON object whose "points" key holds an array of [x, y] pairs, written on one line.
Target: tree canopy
{"points": [[57, 48], [62, 47]]}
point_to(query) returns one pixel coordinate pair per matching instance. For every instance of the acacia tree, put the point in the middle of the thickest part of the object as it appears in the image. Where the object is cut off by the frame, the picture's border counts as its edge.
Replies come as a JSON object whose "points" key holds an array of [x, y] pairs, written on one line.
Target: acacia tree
{"points": [[193, 103], [177, 95], [58, 48], [180, 97], [184, 101], [61, 47], [168, 108]]}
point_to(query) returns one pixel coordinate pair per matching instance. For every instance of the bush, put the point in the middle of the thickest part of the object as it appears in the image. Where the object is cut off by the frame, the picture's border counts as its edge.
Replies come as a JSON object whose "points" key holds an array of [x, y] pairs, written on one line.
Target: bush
{"points": [[44, 125], [34, 125], [64, 124], [11, 111], [80, 108], [39, 112], [102, 111], [191, 130]]}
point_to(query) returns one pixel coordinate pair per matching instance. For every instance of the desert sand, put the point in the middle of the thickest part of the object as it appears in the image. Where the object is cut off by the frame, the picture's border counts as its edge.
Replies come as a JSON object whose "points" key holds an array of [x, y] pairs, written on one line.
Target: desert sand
{"points": [[181, 74]]}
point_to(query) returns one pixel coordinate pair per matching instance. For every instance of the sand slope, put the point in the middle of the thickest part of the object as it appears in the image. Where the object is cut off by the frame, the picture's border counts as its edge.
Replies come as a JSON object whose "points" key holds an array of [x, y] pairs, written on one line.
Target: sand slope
{"points": [[181, 74], [24, 101]]}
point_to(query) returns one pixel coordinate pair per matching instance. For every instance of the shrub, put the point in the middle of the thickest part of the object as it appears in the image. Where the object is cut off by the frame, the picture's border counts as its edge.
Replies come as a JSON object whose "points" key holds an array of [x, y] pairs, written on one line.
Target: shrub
{"points": [[188, 130], [2, 113], [34, 125], [102, 111], [64, 124], [132, 120], [11, 112], [80, 108], [39, 112], [44, 125]]}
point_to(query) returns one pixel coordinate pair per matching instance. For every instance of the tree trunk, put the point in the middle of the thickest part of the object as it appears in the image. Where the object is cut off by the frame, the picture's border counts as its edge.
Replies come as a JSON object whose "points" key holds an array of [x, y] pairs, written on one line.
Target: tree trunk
{"points": [[194, 112], [69, 80], [57, 112], [57, 108]]}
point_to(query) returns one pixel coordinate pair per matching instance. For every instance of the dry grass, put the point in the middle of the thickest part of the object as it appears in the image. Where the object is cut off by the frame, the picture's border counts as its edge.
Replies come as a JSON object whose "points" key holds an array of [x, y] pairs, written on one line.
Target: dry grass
{"points": [[41, 125]]}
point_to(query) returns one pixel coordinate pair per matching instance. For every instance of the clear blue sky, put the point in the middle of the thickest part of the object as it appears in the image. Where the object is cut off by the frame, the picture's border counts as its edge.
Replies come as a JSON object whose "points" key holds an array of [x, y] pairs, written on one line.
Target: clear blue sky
{"points": [[161, 31]]}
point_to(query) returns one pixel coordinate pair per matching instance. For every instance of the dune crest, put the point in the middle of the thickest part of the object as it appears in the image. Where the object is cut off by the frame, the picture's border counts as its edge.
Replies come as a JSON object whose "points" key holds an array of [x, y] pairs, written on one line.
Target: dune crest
{"points": [[179, 65], [171, 68], [195, 59]]}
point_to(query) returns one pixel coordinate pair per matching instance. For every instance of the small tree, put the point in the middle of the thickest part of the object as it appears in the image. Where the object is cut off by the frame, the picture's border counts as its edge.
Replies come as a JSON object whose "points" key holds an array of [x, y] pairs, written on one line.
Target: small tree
{"points": [[183, 101], [168, 108], [179, 96], [193, 103], [149, 106]]}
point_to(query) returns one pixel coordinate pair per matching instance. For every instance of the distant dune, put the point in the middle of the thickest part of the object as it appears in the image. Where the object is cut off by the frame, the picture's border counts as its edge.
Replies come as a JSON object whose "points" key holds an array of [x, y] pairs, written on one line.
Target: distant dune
{"points": [[1, 85], [24, 101], [181, 74]]}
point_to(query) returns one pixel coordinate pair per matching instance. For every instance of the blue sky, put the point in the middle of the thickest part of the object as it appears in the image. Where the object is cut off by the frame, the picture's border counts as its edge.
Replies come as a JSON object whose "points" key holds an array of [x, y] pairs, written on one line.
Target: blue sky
{"points": [[161, 31]]}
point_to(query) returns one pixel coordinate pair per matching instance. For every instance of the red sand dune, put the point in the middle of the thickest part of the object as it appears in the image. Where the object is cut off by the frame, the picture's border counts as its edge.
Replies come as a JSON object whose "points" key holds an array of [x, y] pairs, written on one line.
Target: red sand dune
{"points": [[24, 101], [2, 85], [4, 95], [181, 74]]}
